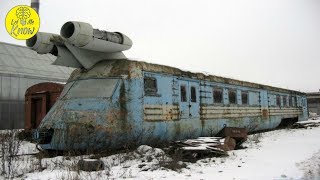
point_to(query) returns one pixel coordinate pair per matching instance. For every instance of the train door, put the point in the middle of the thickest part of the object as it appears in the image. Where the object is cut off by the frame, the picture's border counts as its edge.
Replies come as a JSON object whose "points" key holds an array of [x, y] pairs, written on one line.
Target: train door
{"points": [[38, 109], [194, 100], [184, 100], [189, 99]]}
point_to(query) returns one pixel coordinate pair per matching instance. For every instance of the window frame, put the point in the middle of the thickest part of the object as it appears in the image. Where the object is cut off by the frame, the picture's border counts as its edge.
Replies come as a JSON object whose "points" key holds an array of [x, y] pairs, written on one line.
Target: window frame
{"points": [[85, 88], [150, 91], [183, 96], [278, 100], [247, 99], [290, 101], [295, 101], [220, 90], [235, 96], [193, 94], [284, 100]]}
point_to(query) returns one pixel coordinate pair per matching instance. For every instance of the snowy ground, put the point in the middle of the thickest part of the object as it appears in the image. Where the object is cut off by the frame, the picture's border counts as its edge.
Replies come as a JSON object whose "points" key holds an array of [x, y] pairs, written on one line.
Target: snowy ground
{"points": [[280, 154]]}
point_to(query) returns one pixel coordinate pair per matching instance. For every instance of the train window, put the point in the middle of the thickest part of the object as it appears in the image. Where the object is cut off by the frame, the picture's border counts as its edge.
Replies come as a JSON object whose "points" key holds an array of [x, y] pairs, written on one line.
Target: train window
{"points": [[217, 96], [244, 98], [278, 100], [66, 89], [150, 86], [290, 101], [304, 102], [232, 96], [183, 93], [284, 100], [254, 98], [193, 94], [295, 103], [89, 88]]}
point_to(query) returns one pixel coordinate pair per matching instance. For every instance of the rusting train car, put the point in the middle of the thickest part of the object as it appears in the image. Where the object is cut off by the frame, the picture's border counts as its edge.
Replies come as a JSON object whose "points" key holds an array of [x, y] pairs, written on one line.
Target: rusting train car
{"points": [[39, 98], [123, 101], [110, 102]]}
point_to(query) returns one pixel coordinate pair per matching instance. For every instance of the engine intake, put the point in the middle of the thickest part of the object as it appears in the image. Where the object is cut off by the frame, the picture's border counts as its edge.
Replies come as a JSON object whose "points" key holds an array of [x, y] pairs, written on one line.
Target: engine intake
{"points": [[41, 43]]}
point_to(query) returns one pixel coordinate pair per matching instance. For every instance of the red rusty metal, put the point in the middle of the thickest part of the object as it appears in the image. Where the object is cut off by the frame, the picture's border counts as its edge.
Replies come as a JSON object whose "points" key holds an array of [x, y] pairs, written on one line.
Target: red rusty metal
{"points": [[265, 113], [229, 144], [39, 98], [234, 132]]}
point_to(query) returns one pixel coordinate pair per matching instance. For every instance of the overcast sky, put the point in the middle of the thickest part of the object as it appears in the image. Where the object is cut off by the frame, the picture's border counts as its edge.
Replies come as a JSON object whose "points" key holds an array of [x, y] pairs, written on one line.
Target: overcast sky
{"points": [[273, 42]]}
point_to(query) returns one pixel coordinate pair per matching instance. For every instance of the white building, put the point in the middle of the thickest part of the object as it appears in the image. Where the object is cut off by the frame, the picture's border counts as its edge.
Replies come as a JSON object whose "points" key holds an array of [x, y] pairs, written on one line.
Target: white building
{"points": [[20, 68]]}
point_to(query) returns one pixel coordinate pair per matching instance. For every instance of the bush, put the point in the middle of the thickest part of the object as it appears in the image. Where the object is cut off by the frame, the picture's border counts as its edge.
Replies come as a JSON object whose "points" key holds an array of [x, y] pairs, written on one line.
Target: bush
{"points": [[10, 146]]}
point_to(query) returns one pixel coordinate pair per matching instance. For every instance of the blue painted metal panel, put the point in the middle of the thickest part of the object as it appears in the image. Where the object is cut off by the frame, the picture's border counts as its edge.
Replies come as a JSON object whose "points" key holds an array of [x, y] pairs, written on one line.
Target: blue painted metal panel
{"points": [[184, 105], [194, 105]]}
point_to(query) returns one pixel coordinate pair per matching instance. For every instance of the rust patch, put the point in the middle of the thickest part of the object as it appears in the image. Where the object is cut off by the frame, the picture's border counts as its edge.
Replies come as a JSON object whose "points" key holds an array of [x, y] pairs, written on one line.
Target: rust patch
{"points": [[234, 132], [215, 112], [228, 145], [265, 113], [161, 112], [113, 115]]}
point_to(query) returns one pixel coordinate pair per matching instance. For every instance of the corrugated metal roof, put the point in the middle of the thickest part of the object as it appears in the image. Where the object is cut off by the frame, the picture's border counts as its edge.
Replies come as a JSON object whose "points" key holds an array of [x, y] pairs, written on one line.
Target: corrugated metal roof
{"points": [[20, 60]]}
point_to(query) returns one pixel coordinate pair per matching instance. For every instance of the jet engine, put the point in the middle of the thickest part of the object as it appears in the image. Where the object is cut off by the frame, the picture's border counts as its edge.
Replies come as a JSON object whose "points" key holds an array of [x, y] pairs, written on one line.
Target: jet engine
{"points": [[41, 43], [79, 45], [84, 36]]}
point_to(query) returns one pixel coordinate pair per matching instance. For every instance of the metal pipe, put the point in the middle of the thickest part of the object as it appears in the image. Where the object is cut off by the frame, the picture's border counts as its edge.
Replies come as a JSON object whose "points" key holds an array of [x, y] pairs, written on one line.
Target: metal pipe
{"points": [[35, 4]]}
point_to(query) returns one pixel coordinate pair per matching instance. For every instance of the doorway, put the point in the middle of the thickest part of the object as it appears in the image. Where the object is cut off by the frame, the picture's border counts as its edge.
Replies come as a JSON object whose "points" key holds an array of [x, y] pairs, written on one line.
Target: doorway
{"points": [[189, 99], [38, 109]]}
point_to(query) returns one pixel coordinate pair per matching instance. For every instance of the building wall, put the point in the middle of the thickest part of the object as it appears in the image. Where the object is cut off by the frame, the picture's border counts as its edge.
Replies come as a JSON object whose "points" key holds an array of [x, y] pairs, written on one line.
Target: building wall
{"points": [[20, 68], [314, 104], [11, 114], [315, 108]]}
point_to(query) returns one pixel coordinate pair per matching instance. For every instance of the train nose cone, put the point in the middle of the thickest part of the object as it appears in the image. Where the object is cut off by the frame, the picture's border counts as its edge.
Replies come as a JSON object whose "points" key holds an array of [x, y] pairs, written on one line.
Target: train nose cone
{"points": [[80, 124]]}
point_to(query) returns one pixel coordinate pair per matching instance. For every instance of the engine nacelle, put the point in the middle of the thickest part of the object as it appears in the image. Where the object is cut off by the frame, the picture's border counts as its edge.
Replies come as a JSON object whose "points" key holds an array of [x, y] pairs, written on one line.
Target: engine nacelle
{"points": [[41, 43], [83, 35]]}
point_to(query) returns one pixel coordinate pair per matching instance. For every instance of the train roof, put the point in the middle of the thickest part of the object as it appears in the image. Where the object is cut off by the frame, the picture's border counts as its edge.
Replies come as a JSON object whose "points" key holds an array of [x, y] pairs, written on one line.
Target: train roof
{"points": [[133, 69]]}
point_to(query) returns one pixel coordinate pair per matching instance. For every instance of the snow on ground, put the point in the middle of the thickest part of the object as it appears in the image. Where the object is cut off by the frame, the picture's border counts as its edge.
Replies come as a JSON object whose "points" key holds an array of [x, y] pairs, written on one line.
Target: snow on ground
{"points": [[311, 167], [310, 121], [281, 154], [275, 157]]}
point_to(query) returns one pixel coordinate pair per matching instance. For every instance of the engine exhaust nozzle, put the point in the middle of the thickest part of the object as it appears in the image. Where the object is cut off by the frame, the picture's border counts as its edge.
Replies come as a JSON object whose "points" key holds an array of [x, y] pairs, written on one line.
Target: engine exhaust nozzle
{"points": [[83, 35]]}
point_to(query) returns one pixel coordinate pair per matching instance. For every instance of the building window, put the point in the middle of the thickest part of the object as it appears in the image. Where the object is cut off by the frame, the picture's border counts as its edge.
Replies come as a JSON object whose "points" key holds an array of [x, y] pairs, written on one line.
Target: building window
{"points": [[183, 93], [278, 100], [232, 96], [244, 98], [193, 94], [284, 100], [217, 95], [150, 85]]}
